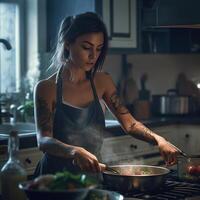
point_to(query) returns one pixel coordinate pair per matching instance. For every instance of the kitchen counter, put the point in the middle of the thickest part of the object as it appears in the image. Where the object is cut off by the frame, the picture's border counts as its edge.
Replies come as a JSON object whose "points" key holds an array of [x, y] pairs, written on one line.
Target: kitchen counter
{"points": [[161, 121], [113, 128]]}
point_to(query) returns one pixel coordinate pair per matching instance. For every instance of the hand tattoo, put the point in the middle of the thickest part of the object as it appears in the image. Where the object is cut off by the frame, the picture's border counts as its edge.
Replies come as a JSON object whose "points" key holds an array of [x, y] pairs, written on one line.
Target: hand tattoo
{"points": [[117, 104], [45, 116]]}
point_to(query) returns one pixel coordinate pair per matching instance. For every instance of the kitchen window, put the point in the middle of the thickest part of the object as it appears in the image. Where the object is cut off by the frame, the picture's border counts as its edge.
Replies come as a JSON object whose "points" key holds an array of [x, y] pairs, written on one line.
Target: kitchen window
{"points": [[11, 60]]}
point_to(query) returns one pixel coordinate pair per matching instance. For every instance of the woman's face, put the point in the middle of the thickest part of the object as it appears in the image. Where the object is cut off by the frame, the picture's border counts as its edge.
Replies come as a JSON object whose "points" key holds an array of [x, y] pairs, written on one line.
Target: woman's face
{"points": [[84, 52]]}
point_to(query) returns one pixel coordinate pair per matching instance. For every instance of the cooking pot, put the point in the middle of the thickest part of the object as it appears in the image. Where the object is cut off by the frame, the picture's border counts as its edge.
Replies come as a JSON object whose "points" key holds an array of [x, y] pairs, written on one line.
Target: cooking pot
{"points": [[188, 168], [172, 104], [135, 177]]}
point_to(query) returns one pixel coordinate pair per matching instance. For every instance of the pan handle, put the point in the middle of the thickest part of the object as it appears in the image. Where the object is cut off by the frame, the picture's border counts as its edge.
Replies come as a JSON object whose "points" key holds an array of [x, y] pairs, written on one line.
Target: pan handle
{"points": [[107, 168], [180, 151]]}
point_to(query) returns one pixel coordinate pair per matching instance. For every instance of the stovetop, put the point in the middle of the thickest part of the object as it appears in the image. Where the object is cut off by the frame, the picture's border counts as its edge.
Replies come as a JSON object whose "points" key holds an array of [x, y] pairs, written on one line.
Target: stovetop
{"points": [[172, 189]]}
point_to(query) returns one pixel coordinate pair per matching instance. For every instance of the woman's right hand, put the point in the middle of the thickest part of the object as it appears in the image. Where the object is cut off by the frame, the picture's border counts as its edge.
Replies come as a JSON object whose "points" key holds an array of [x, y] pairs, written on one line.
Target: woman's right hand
{"points": [[85, 160]]}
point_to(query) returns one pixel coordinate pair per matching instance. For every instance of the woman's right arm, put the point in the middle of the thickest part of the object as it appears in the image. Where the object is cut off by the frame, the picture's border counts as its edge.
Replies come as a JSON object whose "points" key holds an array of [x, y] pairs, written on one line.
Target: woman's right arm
{"points": [[44, 99]]}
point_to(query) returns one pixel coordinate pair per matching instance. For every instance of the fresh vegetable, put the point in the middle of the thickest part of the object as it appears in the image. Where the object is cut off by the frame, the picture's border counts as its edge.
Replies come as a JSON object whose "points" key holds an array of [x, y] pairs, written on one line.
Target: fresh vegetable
{"points": [[140, 171], [62, 181], [69, 181], [193, 170]]}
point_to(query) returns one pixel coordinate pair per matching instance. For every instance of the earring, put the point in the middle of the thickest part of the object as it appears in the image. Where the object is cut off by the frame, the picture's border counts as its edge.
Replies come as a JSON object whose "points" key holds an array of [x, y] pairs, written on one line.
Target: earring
{"points": [[71, 76]]}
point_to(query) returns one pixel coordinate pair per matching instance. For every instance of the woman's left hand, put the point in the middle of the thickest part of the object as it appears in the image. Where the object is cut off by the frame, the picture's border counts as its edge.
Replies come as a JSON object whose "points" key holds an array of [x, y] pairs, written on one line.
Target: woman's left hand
{"points": [[168, 151]]}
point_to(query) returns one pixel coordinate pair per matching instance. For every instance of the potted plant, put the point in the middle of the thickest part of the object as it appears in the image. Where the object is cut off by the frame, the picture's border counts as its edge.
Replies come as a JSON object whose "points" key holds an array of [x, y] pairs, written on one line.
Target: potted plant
{"points": [[27, 111]]}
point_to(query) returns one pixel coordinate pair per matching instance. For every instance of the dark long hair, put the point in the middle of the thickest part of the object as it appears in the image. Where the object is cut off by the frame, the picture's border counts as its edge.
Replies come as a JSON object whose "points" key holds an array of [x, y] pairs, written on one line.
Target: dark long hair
{"points": [[71, 28]]}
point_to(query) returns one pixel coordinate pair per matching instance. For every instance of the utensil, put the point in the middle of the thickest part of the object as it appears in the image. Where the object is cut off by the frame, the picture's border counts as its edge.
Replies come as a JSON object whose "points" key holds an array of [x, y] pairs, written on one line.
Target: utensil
{"points": [[144, 94], [108, 168], [129, 179], [180, 151]]}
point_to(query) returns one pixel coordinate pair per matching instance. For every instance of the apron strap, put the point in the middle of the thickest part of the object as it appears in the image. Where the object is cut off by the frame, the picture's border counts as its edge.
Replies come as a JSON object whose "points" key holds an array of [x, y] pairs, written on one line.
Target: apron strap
{"points": [[59, 86], [96, 98]]}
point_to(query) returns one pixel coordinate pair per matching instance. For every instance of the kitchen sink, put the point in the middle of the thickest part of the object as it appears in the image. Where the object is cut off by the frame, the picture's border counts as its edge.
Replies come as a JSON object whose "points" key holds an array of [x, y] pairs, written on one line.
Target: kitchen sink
{"points": [[22, 128]]}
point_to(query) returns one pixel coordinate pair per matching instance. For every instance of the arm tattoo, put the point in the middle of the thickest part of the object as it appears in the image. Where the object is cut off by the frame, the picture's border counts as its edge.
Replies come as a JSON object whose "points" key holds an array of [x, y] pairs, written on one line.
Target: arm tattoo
{"points": [[45, 116], [117, 104], [141, 132]]}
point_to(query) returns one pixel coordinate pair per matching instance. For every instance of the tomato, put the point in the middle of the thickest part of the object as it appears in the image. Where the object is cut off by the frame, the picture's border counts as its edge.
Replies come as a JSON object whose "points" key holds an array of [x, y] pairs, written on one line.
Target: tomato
{"points": [[198, 169], [193, 170]]}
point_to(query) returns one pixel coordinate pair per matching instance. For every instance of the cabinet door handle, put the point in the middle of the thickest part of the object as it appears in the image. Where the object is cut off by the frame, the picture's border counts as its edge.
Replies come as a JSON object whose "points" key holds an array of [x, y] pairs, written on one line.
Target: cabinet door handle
{"points": [[133, 146], [28, 160], [187, 135]]}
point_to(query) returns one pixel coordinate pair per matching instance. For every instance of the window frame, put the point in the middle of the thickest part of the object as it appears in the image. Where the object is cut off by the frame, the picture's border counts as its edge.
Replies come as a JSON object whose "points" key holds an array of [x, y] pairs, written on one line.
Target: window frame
{"points": [[21, 38]]}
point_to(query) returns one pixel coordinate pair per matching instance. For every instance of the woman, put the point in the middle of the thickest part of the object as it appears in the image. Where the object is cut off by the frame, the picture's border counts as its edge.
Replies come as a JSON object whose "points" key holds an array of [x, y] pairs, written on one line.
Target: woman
{"points": [[69, 117]]}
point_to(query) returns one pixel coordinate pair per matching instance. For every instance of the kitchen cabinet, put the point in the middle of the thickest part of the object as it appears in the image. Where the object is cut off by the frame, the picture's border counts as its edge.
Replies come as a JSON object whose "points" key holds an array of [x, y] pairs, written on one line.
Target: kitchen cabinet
{"points": [[121, 20], [170, 132], [29, 158], [170, 40], [190, 138], [170, 26], [186, 137], [126, 149], [119, 16], [161, 13]]}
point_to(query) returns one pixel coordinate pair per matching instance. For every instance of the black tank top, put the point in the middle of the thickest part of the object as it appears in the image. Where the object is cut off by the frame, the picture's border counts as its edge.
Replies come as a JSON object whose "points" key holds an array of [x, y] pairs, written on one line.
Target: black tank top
{"points": [[75, 126]]}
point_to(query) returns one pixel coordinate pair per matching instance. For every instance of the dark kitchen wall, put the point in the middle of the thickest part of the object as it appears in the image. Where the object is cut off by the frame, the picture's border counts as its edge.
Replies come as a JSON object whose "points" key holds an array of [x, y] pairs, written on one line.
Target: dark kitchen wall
{"points": [[57, 10], [162, 69]]}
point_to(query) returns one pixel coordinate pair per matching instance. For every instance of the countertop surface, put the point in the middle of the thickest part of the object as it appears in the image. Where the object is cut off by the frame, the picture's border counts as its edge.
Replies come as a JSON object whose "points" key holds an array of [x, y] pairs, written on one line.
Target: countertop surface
{"points": [[161, 121], [113, 128]]}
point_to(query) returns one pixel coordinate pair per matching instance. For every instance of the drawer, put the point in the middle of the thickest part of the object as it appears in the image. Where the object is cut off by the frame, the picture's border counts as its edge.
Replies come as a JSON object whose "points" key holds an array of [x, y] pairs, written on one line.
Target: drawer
{"points": [[163, 130], [28, 158], [124, 147]]}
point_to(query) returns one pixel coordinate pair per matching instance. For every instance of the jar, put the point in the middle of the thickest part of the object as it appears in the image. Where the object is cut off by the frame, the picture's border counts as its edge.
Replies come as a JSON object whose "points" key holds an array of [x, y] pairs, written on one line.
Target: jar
{"points": [[188, 168]]}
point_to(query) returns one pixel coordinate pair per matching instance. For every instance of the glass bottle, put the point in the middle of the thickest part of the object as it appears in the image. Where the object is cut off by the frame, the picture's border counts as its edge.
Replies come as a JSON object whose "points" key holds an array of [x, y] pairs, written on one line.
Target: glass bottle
{"points": [[12, 172]]}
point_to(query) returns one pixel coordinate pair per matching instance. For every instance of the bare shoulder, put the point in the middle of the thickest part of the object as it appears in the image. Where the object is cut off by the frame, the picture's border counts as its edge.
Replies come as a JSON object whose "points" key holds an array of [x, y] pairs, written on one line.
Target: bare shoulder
{"points": [[105, 82], [103, 77], [46, 87]]}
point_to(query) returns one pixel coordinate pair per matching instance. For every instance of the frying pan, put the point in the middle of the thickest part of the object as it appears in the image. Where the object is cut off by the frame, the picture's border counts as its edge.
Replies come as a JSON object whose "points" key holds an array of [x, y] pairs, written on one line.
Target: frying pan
{"points": [[144, 178]]}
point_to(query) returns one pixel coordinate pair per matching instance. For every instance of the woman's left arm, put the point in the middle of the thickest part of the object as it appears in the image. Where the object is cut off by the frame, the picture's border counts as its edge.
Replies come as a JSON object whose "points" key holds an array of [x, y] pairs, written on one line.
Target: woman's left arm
{"points": [[133, 127]]}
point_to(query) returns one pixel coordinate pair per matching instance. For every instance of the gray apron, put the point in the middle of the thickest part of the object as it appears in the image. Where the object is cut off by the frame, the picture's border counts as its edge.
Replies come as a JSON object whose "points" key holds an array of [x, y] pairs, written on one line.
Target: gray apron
{"points": [[74, 126]]}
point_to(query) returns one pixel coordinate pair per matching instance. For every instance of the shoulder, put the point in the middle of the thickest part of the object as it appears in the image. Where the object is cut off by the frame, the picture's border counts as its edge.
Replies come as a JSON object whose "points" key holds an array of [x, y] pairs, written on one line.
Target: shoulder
{"points": [[46, 86], [105, 81], [103, 77]]}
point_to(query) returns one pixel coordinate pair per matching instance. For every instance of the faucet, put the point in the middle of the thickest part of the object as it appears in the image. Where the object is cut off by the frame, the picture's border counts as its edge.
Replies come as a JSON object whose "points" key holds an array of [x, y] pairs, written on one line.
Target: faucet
{"points": [[6, 43], [8, 46]]}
